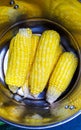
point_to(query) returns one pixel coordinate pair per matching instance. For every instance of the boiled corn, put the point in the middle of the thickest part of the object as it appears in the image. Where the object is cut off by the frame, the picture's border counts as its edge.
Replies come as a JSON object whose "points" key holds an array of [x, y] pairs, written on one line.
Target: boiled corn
{"points": [[34, 40], [44, 61], [61, 76], [18, 64]]}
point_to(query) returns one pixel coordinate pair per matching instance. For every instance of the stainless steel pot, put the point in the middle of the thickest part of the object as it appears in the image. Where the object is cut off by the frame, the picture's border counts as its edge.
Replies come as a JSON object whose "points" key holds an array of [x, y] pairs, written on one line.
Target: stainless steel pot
{"points": [[62, 16]]}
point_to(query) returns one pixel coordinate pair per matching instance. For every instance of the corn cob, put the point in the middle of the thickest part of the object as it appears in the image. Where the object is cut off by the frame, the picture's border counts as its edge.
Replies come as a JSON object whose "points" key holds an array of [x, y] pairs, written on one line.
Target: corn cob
{"points": [[18, 64], [43, 63], [61, 76], [34, 40]]}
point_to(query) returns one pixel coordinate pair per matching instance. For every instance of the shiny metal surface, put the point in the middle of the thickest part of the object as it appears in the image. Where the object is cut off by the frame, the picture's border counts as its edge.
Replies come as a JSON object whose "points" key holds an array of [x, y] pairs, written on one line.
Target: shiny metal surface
{"points": [[39, 114]]}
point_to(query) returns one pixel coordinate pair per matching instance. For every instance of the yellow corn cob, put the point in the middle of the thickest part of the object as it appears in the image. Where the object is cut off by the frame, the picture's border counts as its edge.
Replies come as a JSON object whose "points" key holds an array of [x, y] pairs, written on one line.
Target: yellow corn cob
{"points": [[34, 40], [18, 64], [61, 76], [43, 63]]}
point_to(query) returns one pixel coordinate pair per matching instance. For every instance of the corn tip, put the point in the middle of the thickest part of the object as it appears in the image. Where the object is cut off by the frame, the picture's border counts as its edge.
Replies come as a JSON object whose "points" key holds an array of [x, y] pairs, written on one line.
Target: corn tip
{"points": [[25, 32], [20, 92], [52, 96], [13, 89], [35, 96]]}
